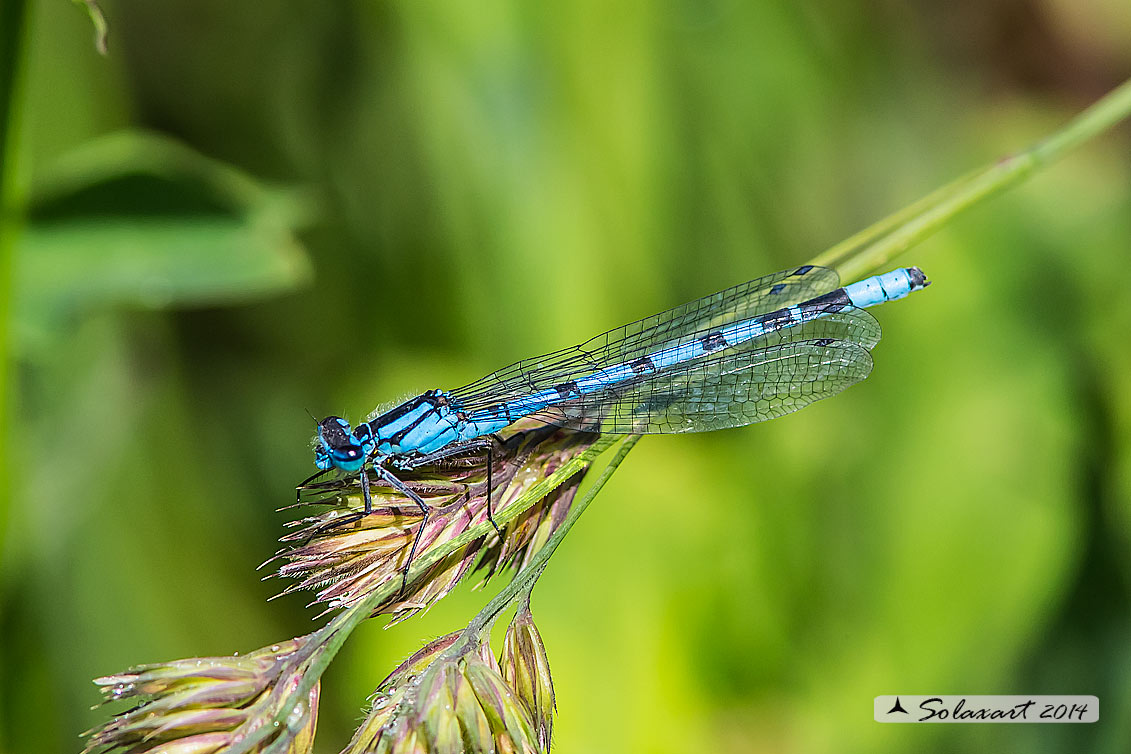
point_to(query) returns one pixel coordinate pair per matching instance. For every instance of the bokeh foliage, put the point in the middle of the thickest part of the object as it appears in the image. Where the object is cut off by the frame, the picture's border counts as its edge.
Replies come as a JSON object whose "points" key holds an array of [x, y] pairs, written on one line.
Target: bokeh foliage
{"points": [[249, 210]]}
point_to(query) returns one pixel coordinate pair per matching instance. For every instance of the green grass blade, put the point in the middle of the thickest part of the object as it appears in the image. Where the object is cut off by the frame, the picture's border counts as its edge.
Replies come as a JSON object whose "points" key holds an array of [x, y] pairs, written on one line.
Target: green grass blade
{"points": [[873, 247]]}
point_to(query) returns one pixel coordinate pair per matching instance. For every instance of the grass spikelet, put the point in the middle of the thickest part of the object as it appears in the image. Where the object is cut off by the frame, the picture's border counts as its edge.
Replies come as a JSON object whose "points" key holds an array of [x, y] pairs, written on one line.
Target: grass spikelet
{"points": [[207, 704], [449, 698]]}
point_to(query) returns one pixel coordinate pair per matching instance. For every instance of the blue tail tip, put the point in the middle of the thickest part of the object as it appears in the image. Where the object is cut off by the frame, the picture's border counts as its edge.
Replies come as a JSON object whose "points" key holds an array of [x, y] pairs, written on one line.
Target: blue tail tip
{"points": [[918, 278]]}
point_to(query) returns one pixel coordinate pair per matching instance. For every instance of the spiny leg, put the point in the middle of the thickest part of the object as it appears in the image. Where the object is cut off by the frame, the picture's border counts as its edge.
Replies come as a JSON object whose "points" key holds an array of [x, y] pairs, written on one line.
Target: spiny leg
{"points": [[334, 523], [452, 450], [302, 485], [490, 489], [328, 525], [349, 518], [365, 492], [400, 487], [488, 444]]}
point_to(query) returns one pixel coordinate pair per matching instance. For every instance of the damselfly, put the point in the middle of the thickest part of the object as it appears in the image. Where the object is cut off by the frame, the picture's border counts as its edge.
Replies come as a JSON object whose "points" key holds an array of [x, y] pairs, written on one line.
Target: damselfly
{"points": [[746, 354]]}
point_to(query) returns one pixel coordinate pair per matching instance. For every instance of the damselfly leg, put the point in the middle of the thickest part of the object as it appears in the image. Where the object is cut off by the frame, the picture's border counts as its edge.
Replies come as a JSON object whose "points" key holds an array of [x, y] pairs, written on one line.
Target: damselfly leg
{"points": [[488, 444], [387, 476], [305, 482]]}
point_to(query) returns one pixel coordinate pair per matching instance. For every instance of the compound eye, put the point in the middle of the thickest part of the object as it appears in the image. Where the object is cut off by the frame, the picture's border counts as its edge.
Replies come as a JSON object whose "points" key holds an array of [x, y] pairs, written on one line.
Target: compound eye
{"points": [[334, 431]]}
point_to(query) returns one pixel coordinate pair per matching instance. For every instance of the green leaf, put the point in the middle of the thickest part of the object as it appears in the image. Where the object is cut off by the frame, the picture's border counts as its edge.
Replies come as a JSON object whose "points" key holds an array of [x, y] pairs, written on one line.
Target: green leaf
{"points": [[139, 220]]}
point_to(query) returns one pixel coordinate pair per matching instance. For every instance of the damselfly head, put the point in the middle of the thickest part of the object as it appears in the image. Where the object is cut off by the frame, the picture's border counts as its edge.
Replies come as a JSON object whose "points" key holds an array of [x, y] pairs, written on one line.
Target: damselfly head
{"points": [[338, 446]]}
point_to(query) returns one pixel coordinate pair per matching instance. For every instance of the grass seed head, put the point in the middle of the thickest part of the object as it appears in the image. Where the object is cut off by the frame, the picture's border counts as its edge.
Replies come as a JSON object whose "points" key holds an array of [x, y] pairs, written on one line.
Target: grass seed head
{"points": [[205, 704], [448, 700], [342, 555], [526, 669]]}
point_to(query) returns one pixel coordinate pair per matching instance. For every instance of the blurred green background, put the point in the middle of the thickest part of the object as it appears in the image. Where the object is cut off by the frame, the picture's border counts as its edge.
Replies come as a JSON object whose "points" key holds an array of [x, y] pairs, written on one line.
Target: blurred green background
{"points": [[249, 210]]}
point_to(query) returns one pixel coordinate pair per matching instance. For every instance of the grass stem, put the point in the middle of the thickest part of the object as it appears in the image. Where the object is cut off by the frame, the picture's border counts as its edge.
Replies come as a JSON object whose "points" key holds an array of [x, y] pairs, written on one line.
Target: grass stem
{"points": [[875, 246]]}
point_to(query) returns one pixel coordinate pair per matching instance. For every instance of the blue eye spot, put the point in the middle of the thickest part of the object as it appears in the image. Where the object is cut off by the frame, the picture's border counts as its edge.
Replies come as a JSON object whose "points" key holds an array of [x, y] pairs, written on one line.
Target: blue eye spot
{"points": [[349, 459]]}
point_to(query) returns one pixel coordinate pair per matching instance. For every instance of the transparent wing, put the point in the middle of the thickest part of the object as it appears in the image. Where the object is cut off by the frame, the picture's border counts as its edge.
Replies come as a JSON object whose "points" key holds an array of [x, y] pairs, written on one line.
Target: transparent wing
{"points": [[771, 376], [625, 344]]}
